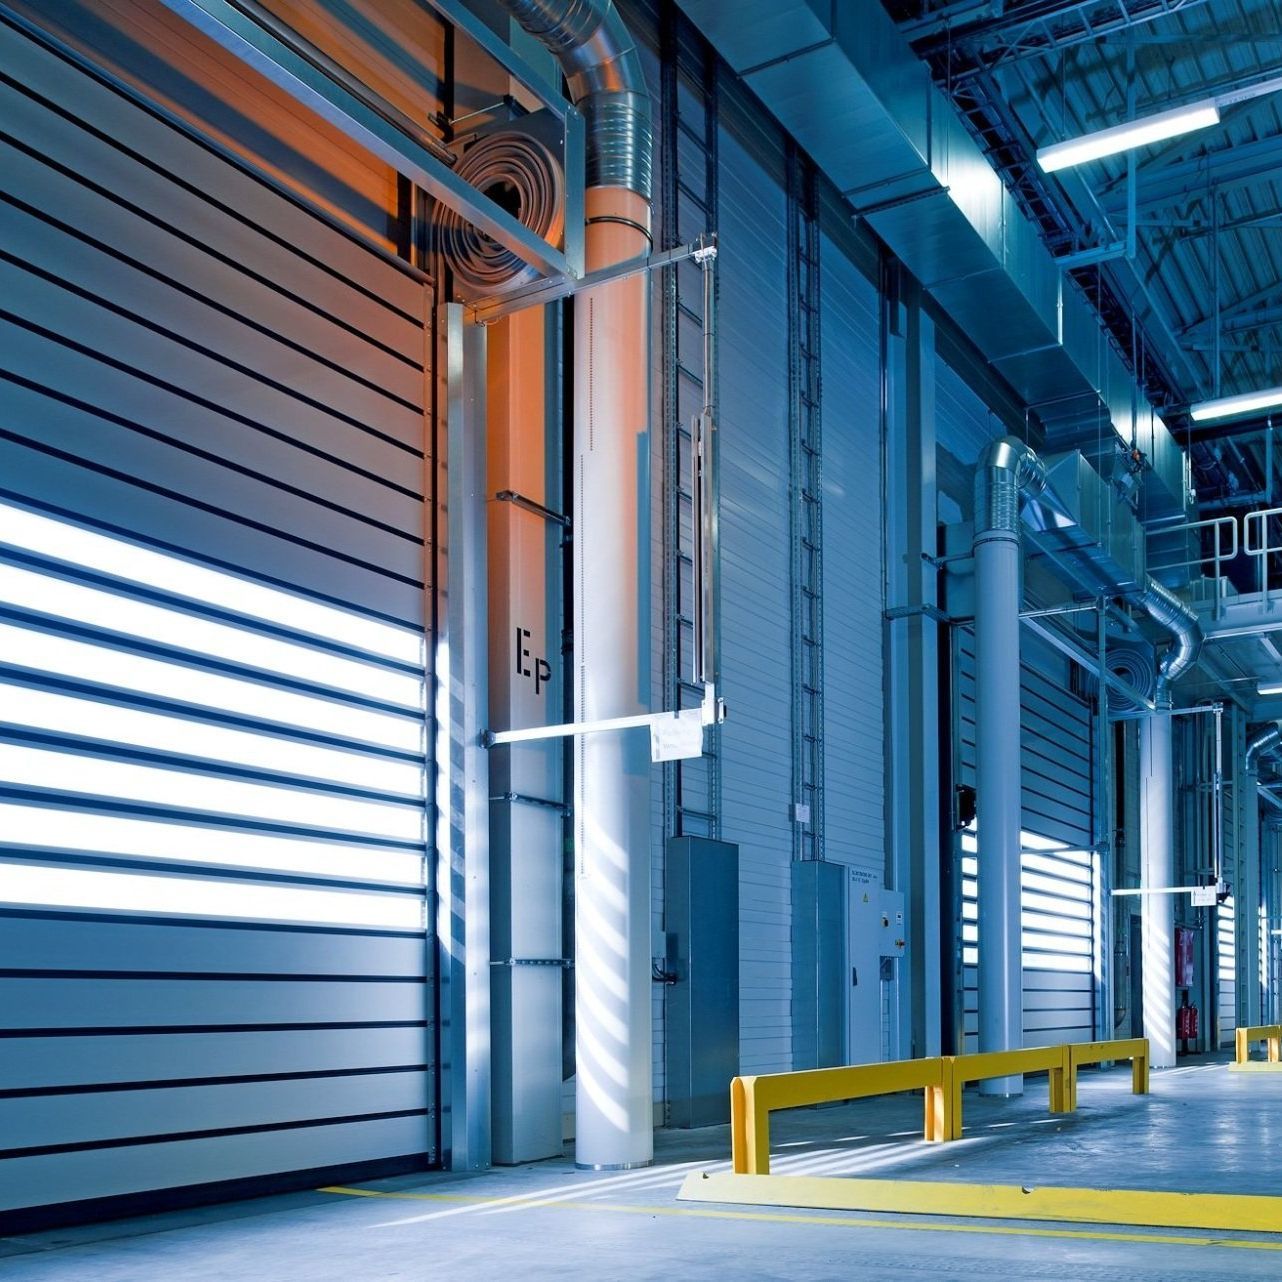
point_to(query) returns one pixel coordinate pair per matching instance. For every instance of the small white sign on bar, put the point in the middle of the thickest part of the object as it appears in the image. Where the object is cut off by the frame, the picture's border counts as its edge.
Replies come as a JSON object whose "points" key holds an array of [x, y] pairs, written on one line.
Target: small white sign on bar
{"points": [[677, 737]]}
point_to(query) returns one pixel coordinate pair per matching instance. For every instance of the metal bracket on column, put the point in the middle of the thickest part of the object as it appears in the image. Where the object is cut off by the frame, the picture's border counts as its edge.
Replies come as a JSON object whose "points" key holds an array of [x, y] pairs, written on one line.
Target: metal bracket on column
{"points": [[532, 505], [548, 291]]}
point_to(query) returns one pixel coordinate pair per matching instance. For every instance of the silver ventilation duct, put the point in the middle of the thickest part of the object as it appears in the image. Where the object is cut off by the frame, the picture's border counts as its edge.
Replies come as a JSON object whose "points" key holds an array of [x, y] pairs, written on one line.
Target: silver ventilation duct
{"points": [[1263, 744], [1009, 477], [1008, 472], [601, 64], [1169, 612]]}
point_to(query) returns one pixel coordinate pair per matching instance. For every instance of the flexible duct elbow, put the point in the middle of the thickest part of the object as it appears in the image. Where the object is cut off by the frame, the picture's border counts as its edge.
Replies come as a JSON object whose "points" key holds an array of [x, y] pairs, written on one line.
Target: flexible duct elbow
{"points": [[603, 69], [1169, 612], [1007, 473], [1264, 744]]}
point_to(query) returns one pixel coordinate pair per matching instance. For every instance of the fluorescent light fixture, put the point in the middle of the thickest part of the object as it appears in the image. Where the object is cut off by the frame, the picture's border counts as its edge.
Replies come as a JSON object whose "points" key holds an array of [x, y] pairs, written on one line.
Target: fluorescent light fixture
{"points": [[110, 611], [119, 558], [1129, 134], [1269, 687], [26, 767], [36, 885], [80, 661], [69, 715], [48, 828], [1231, 406]]}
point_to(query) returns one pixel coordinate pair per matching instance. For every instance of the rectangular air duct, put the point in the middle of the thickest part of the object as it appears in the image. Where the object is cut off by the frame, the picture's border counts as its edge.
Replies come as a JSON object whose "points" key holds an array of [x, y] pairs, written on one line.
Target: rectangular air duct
{"points": [[843, 81]]}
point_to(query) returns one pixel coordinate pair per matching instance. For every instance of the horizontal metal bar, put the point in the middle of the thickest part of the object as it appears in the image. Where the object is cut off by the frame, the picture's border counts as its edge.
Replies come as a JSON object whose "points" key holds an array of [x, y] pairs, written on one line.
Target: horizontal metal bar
{"points": [[712, 708], [1159, 890], [1096, 254], [548, 291], [285, 66], [563, 963]]}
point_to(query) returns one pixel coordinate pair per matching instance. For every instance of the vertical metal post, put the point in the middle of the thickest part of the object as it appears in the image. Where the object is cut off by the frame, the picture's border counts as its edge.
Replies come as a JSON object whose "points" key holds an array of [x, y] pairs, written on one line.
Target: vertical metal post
{"points": [[1105, 854], [912, 666], [1248, 889], [462, 794], [702, 447], [805, 451], [998, 593], [1157, 870]]}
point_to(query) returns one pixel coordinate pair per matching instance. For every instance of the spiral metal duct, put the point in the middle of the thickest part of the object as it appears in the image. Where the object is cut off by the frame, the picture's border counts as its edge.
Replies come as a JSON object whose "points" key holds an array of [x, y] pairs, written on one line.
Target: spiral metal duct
{"points": [[1264, 744], [606, 80], [519, 172]]}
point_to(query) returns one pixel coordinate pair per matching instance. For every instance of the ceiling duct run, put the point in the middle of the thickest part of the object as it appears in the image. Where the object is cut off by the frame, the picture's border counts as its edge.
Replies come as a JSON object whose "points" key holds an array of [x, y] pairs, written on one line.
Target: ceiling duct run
{"points": [[843, 81]]}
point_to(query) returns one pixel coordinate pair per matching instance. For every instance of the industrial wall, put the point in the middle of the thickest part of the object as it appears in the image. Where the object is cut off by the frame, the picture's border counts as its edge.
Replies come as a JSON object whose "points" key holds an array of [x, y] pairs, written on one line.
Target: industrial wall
{"points": [[786, 387], [214, 526]]}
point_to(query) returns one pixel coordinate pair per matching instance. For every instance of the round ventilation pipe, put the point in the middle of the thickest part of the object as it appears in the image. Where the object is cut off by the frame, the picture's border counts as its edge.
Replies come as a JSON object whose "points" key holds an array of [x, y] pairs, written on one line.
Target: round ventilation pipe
{"points": [[524, 176]]}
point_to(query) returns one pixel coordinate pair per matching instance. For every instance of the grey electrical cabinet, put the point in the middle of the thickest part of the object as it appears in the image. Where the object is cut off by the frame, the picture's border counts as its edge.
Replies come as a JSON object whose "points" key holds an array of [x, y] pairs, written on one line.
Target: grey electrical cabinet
{"points": [[701, 913], [818, 964]]}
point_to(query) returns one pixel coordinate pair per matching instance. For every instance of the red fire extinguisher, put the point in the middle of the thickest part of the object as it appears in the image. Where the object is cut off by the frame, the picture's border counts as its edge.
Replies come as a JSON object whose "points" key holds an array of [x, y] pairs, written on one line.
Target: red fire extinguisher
{"points": [[1186, 1021]]}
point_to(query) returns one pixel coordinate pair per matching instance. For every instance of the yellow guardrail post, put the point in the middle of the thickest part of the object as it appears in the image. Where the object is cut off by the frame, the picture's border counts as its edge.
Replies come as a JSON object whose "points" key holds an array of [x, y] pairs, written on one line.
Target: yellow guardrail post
{"points": [[1135, 1049], [749, 1128], [1269, 1034], [753, 1099], [960, 1069]]}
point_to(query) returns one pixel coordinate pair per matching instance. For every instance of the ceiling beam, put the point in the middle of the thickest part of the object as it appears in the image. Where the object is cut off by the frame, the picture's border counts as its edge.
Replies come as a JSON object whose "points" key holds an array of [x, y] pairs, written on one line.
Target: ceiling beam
{"points": [[1028, 30], [1191, 178], [1237, 308]]}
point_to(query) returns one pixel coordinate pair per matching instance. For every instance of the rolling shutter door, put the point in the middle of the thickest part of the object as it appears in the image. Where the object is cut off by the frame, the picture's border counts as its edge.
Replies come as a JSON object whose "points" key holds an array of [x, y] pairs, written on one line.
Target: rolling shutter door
{"points": [[215, 962], [1060, 881]]}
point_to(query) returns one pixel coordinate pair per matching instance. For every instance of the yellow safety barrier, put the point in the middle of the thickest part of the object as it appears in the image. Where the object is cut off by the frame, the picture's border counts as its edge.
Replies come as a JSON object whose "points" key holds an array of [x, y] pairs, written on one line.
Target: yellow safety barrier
{"points": [[1270, 1034], [753, 1099], [1134, 1048], [960, 1069]]}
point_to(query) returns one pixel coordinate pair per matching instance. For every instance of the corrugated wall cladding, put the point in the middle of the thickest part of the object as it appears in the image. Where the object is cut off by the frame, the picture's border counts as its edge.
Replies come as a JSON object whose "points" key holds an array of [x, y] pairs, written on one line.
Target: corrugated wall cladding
{"points": [[853, 536], [755, 631], [213, 943], [963, 426]]}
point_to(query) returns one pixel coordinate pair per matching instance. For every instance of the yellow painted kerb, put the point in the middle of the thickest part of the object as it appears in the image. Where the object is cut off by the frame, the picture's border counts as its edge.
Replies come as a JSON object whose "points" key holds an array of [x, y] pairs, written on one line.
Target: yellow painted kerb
{"points": [[1222, 1211]]}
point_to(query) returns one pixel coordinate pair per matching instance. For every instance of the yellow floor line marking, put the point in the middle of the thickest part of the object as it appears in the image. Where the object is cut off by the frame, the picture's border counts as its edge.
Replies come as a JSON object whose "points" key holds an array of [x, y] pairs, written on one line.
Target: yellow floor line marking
{"points": [[829, 1221], [1142, 1208]]}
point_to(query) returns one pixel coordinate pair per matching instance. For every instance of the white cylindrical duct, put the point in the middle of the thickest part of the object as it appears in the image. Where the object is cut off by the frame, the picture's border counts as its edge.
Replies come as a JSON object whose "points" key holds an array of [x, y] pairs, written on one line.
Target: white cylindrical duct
{"points": [[614, 1109], [1157, 871], [1006, 472], [997, 691]]}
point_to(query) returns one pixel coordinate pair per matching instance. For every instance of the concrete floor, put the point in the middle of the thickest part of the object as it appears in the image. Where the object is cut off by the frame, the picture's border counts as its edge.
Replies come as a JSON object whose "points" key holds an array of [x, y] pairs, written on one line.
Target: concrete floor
{"points": [[1202, 1129]]}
